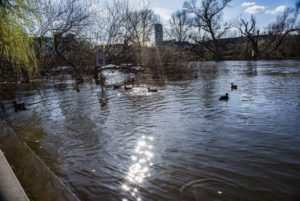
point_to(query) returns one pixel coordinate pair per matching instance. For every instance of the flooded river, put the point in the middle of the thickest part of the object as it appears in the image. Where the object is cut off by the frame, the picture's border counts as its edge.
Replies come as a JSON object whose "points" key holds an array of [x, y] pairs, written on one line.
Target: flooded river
{"points": [[179, 144]]}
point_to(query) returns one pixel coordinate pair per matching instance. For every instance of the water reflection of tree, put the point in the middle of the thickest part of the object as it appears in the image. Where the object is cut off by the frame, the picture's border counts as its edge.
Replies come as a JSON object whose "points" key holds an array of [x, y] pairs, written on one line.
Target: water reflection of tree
{"points": [[251, 68], [103, 98], [178, 71], [208, 73]]}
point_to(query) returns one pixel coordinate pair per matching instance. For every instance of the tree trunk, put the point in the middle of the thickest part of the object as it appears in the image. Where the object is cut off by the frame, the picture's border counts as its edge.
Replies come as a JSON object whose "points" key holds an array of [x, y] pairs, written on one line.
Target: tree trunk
{"points": [[57, 42]]}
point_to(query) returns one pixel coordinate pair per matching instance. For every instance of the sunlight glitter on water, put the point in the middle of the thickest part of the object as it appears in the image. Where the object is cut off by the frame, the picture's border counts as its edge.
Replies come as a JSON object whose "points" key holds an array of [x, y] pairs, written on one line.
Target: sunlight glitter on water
{"points": [[139, 170]]}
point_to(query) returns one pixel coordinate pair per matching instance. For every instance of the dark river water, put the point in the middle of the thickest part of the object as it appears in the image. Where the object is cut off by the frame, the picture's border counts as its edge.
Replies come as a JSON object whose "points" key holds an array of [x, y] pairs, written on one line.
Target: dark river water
{"points": [[179, 144]]}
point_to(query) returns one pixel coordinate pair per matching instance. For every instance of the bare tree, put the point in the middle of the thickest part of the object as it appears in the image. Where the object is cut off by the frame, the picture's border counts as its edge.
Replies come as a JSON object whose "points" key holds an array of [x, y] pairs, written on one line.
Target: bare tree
{"points": [[124, 29], [110, 28], [111, 22], [249, 30], [179, 26], [207, 20], [267, 44], [60, 19], [147, 19], [120, 22], [285, 24], [139, 26]]}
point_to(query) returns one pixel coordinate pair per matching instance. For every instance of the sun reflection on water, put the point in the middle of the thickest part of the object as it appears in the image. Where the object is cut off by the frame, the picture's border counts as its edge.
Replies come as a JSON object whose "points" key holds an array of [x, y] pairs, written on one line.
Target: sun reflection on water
{"points": [[140, 168]]}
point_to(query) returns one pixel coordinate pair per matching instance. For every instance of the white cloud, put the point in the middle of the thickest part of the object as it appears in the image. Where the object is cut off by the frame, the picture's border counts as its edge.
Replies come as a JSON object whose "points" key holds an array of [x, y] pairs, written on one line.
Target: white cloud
{"points": [[277, 10], [164, 13], [248, 4], [255, 9], [251, 7]]}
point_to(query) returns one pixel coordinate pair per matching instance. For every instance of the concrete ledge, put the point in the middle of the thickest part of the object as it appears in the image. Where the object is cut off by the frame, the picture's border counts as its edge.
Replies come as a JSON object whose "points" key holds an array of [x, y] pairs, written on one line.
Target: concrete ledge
{"points": [[10, 187], [38, 181]]}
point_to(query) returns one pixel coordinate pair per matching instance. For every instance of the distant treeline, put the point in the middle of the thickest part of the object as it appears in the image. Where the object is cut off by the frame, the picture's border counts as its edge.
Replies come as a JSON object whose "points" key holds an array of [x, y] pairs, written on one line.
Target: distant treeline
{"points": [[38, 35], [238, 48]]}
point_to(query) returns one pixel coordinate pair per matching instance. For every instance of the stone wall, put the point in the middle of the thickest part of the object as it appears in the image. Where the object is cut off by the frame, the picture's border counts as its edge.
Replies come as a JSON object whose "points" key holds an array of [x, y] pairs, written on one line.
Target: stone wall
{"points": [[38, 181]]}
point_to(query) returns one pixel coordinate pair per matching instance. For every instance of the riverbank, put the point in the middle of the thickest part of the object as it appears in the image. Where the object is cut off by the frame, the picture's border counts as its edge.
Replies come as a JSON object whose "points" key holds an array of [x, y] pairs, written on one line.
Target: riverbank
{"points": [[10, 187], [38, 181]]}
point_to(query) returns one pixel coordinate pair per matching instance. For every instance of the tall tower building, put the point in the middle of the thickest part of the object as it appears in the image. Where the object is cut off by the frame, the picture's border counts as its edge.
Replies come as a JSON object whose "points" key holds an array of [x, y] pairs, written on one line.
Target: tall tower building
{"points": [[159, 34]]}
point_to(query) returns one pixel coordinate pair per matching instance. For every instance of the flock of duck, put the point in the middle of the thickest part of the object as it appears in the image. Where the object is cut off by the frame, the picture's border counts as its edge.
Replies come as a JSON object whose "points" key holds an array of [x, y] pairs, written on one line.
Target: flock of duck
{"points": [[226, 96], [129, 85], [21, 106]]}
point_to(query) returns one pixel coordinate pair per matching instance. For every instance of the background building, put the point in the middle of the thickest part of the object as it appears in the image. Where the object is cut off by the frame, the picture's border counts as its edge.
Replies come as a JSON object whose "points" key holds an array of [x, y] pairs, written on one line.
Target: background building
{"points": [[159, 34]]}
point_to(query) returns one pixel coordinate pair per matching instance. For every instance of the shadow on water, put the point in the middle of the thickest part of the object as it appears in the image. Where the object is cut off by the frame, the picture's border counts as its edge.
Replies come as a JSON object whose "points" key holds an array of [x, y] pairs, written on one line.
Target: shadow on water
{"points": [[179, 143]]}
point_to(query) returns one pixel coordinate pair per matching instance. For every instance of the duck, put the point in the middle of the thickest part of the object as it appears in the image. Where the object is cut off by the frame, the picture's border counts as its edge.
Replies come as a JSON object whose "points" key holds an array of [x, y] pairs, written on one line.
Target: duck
{"points": [[152, 90], [224, 98], [103, 102], [233, 86], [115, 87], [19, 106]]}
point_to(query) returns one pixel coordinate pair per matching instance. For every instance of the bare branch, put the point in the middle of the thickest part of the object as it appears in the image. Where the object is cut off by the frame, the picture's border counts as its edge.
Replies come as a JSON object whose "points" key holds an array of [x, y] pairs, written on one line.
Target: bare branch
{"points": [[208, 14], [180, 26]]}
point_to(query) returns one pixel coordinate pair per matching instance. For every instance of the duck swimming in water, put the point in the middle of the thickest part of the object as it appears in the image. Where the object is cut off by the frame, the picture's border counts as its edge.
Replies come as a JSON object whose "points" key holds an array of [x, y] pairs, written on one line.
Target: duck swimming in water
{"points": [[19, 106], [115, 87], [152, 90], [224, 98], [233, 86]]}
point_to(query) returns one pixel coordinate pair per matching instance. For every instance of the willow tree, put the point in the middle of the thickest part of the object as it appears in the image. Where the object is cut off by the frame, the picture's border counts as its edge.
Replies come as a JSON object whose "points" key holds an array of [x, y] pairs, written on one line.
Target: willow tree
{"points": [[16, 46]]}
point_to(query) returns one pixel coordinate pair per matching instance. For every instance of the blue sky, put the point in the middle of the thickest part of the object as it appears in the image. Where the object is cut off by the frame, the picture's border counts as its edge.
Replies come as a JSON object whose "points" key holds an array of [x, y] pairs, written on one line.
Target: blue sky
{"points": [[265, 10]]}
